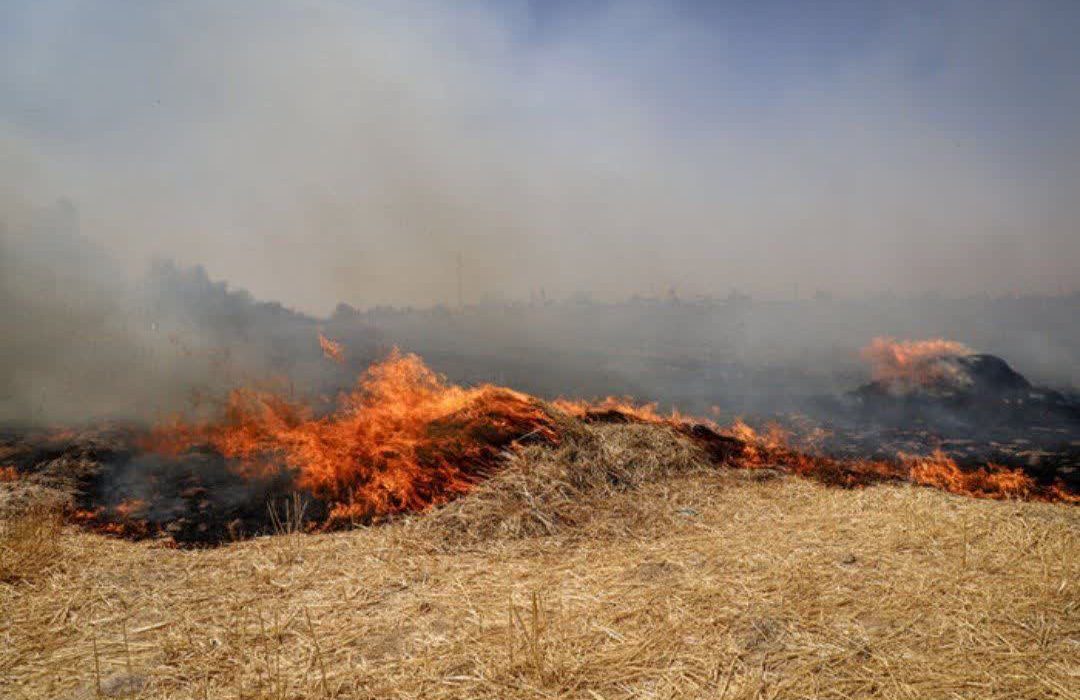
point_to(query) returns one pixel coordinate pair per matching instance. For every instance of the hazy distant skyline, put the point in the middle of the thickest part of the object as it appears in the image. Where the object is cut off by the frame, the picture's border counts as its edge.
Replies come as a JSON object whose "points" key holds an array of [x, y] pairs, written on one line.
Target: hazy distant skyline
{"points": [[316, 152]]}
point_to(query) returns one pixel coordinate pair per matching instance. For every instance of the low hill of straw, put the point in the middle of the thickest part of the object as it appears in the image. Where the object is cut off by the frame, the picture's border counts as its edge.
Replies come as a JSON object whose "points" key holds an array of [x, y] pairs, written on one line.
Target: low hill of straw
{"points": [[621, 563]]}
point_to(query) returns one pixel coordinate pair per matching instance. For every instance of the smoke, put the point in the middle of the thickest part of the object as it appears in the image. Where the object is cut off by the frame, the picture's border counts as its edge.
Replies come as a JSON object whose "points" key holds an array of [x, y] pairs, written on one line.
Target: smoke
{"points": [[85, 340], [319, 152]]}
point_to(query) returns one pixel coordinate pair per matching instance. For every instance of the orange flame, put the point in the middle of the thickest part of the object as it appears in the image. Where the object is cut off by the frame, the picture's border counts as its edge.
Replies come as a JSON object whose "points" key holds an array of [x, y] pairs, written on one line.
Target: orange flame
{"points": [[773, 448], [992, 481], [613, 408], [132, 508], [913, 363], [332, 349], [402, 440]]}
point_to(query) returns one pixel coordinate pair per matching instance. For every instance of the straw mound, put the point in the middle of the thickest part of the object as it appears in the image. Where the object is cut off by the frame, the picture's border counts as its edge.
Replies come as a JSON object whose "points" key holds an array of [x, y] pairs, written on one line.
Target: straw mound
{"points": [[617, 565], [546, 490]]}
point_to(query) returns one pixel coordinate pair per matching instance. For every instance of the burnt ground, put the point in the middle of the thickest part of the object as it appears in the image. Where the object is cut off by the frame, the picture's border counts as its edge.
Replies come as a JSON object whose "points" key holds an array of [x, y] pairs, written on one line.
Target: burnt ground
{"points": [[103, 480], [992, 414], [1047, 453]]}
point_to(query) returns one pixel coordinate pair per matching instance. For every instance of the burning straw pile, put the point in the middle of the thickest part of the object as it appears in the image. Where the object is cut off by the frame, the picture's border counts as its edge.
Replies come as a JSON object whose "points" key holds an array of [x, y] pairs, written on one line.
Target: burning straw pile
{"points": [[405, 440]]}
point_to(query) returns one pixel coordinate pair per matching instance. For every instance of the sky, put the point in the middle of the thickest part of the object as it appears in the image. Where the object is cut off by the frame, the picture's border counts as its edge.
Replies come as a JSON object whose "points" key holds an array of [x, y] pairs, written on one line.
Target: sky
{"points": [[316, 152]]}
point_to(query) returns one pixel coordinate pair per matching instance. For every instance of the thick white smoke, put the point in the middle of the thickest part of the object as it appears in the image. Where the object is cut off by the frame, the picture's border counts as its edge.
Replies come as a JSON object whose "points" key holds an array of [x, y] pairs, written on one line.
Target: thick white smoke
{"points": [[317, 152]]}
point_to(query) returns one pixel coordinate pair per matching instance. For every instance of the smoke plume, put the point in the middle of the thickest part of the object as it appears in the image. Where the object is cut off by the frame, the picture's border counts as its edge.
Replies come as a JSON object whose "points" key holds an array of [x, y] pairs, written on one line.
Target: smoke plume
{"points": [[420, 153]]}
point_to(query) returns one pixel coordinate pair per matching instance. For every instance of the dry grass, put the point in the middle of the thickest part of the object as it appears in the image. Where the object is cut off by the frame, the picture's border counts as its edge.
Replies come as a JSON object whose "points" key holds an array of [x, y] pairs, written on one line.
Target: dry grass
{"points": [[29, 542], [547, 491], [289, 536], [616, 567]]}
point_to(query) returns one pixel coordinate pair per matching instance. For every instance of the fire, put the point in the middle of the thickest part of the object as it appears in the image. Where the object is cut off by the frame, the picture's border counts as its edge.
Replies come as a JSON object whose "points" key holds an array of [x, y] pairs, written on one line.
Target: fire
{"points": [[936, 470], [908, 364], [761, 448], [403, 440], [992, 481], [772, 449], [132, 508], [613, 409], [332, 349], [121, 521]]}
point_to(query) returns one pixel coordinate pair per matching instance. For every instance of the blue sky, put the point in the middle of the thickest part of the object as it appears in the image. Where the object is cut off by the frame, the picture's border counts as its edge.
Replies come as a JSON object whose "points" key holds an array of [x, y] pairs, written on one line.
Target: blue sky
{"points": [[618, 147]]}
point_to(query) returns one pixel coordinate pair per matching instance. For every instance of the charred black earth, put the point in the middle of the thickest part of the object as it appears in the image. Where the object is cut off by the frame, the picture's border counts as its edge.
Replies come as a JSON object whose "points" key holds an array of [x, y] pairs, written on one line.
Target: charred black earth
{"points": [[98, 475], [976, 409]]}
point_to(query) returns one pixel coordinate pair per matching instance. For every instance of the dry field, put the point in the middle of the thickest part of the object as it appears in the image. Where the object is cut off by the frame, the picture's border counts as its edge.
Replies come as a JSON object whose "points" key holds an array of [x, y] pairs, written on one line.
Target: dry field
{"points": [[618, 566]]}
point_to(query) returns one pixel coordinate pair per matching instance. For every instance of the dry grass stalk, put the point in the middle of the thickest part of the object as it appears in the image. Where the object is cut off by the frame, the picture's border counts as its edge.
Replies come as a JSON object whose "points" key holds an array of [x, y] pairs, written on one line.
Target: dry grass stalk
{"points": [[29, 543], [545, 490], [289, 529]]}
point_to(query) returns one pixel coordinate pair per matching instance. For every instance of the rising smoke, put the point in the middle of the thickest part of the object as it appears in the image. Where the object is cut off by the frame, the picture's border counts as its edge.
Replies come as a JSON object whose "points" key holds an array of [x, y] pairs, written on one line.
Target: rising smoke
{"points": [[320, 152]]}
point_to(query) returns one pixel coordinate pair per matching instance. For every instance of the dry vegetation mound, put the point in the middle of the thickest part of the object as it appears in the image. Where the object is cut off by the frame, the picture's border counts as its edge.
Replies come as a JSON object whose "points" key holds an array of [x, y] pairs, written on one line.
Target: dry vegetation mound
{"points": [[547, 490]]}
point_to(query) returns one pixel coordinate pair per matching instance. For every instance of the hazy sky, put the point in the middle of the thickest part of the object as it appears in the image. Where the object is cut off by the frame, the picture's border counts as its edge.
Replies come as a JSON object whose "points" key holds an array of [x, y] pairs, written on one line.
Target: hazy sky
{"points": [[323, 151]]}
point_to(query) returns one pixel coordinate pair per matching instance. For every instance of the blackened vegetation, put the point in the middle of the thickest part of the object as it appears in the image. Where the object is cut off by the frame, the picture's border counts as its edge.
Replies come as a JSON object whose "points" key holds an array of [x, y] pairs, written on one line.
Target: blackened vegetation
{"points": [[61, 464], [199, 498], [720, 448], [104, 482], [982, 411], [193, 498]]}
